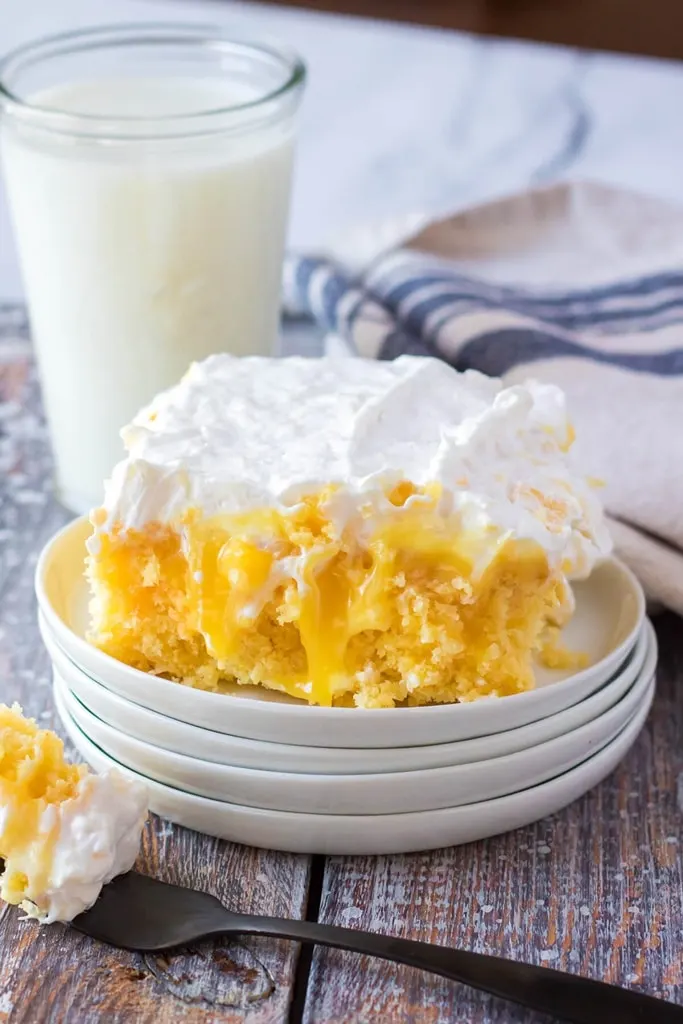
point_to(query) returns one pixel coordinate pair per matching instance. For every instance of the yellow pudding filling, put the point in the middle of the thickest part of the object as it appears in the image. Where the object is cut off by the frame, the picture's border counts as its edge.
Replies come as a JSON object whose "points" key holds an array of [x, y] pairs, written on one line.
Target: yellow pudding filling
{"points": [[34, 778], [408, 609]]}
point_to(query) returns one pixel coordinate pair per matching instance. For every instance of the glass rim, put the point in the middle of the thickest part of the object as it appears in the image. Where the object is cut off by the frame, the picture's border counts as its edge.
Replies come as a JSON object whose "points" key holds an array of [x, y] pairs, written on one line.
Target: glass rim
{"points": [[128, 35]]}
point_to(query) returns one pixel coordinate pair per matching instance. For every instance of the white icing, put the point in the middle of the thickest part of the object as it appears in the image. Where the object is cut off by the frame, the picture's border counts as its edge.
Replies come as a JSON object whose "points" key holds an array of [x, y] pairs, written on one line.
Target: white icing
{"points": [[240, 434], [98, 838]]}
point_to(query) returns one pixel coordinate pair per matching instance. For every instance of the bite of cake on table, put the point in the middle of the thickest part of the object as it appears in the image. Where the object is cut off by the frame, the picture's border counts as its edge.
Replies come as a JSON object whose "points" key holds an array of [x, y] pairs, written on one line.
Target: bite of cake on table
{"points": [[64, 832]]}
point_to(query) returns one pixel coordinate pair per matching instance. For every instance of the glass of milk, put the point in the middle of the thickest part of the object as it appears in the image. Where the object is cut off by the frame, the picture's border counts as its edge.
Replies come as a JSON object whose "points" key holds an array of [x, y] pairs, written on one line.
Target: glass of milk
{"points": [[148, 172]]}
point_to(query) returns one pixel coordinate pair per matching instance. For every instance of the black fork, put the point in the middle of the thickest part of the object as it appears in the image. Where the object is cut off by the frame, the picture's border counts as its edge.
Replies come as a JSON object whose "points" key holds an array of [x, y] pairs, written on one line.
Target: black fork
{"points": [[140, 913]]}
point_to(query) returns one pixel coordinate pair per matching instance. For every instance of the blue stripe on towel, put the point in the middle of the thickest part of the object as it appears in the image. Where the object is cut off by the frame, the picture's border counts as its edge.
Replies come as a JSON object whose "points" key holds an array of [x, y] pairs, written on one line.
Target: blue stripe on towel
{"points": [[399, 343], [628, 320], [413, 276], [298, 279], [496, 352]]}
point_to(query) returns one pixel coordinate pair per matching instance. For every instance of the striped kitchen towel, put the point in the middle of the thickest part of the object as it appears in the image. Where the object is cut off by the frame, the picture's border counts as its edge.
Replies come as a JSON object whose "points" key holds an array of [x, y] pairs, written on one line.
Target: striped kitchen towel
{"points": [[578, 285]]}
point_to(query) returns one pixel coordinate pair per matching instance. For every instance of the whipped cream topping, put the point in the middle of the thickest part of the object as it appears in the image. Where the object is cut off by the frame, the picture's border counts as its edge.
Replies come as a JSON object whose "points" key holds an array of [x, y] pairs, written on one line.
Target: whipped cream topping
{"points": [[96, 837], [241, 434]]}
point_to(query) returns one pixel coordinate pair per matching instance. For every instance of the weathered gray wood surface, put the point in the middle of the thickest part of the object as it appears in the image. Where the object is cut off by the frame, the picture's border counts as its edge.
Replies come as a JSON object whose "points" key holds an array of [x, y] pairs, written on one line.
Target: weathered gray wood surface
{"points": [[54, 974], [596, 889]]}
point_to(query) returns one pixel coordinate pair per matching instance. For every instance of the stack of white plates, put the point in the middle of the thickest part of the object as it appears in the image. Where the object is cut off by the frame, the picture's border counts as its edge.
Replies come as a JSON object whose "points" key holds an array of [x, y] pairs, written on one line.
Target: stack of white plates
{"points": [[257, 768]]}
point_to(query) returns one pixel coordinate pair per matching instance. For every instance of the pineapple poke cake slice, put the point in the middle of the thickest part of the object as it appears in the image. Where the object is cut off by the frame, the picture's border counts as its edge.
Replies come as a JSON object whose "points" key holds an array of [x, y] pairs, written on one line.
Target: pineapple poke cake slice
{"points": [[64, 832], [348, 532]]}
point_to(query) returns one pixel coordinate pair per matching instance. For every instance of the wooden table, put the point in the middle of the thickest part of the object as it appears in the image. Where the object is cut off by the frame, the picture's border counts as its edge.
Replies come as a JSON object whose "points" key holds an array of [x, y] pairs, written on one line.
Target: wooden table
{"points": [[596, 889]]}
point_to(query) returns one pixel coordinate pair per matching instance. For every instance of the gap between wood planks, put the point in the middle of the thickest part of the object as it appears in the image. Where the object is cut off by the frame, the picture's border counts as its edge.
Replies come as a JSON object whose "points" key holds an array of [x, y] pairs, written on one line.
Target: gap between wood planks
{"points": [[303, 967]]}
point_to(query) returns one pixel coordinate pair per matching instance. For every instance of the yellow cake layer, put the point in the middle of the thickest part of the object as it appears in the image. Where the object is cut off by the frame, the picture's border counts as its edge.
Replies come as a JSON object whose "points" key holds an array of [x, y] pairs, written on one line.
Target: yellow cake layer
{"points": [[418, 613], [33, 776]]}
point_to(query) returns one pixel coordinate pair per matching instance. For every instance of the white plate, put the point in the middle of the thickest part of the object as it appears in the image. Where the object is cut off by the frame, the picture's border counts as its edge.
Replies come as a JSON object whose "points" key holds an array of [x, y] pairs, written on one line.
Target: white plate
{"points": [[385, 793], [151, 727], [372, 834], [610, 609]]}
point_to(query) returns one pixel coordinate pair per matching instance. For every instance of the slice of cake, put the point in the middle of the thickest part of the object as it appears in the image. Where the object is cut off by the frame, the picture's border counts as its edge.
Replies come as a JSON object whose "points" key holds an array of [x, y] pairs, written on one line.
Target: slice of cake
{"points": [[64, 832], [344, 531]]}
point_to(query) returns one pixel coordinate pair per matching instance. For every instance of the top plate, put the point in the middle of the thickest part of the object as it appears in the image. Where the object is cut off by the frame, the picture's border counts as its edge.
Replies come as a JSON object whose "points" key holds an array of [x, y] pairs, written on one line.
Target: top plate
{"points": [[610, 609]]}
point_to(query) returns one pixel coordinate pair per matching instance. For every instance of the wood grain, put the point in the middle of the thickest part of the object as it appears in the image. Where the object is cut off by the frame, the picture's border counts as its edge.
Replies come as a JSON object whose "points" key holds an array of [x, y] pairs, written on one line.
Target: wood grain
{"points": [[596, 889], [53, 975]]}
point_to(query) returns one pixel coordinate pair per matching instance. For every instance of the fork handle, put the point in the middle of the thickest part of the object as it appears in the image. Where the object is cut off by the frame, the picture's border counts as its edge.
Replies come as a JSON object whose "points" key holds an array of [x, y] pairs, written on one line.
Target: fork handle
{"points": [[565, 996]]}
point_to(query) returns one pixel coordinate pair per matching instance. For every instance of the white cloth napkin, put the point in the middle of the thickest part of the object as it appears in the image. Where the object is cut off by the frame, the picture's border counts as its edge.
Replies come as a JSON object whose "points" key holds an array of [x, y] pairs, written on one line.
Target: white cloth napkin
{"points": [[579, 285]]}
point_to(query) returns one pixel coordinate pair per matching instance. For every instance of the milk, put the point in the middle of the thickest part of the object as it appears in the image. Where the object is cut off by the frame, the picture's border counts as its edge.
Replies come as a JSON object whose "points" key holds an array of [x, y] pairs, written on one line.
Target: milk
{"points": [[140, 257]]}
